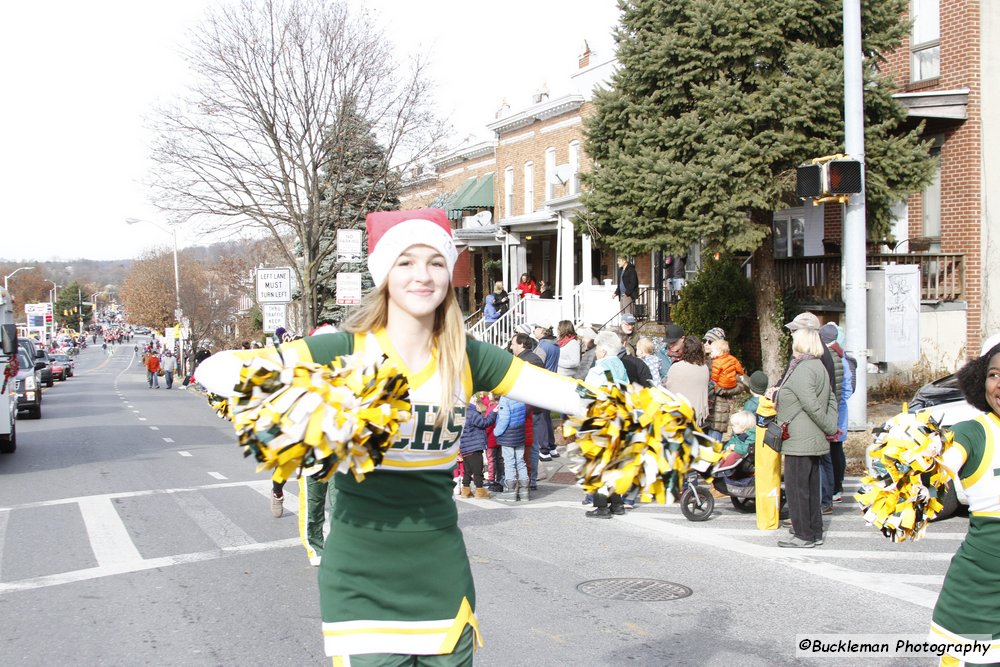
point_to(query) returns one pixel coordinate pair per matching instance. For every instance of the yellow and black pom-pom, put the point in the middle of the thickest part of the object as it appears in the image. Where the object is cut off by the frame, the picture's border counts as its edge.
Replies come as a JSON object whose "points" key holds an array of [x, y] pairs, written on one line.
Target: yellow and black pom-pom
{"points": [[905, 476], [342, 417], [634, 437]]}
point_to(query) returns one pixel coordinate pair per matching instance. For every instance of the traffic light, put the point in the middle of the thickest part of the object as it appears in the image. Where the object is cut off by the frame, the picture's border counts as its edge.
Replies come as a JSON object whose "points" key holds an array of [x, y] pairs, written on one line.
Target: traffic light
{"points": [[831, 178], [809, 180], [843, 177]]}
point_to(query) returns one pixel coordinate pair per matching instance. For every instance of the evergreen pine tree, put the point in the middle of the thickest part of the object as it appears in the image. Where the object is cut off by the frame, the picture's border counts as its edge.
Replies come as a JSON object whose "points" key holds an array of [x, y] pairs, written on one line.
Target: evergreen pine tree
{"points": [[356, 182], [714, 105]]}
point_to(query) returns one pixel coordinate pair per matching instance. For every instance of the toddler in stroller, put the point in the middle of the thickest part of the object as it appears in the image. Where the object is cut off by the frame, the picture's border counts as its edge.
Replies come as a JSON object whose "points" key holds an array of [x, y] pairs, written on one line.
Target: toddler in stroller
{"points": [[733, 474]]}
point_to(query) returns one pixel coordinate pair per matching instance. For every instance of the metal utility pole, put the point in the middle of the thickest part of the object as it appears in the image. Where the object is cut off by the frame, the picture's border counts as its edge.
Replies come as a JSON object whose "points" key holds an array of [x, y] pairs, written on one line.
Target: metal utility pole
{"points": [[854, 278]]}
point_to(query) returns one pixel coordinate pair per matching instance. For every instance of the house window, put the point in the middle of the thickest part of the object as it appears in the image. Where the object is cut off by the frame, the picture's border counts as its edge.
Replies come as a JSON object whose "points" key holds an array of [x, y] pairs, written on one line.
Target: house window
{"points": [[574, 163], [508, 192], [931, 199], [789, 236], [550, 173], [925, 40], [529, 187]]}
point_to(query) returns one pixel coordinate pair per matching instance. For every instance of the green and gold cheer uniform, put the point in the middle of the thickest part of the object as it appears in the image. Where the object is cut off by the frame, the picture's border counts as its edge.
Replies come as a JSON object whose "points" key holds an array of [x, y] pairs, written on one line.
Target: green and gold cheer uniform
{"points": [[969, 602], [395, 576]]}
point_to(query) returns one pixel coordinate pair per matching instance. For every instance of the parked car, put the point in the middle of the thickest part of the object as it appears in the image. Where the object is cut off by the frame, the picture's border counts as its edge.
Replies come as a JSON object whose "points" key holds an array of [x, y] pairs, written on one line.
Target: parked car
{"points": [[29, 385], [46, 370], [58, 369], [66, 361]]}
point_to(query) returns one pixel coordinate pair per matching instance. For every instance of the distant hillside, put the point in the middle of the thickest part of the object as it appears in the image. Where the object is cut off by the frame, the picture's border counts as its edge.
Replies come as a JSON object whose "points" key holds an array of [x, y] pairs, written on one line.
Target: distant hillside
{"points": [[83, 271]]}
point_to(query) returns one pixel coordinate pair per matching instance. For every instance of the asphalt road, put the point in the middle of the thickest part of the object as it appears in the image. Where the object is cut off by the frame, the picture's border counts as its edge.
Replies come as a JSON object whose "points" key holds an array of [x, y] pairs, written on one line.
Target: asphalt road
{"points": [[133, 532]]}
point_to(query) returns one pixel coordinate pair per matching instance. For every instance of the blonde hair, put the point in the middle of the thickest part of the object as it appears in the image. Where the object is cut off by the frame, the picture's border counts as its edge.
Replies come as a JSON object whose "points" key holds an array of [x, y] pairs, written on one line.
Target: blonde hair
{"points": [[742, 421], [644, 347], [719, 347], [497, 287], [807, 342], [448, 336]]}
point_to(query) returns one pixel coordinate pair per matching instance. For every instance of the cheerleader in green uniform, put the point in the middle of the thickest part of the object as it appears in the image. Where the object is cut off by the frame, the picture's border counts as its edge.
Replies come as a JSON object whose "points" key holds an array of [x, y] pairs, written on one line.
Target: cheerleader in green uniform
{"points": [[395, 583], [969, 602]]}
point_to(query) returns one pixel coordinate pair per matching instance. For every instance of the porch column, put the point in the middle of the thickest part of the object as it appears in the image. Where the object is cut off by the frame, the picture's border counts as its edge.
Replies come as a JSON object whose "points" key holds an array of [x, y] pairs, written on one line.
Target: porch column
{"points": [[566, 289], [586, 257]]}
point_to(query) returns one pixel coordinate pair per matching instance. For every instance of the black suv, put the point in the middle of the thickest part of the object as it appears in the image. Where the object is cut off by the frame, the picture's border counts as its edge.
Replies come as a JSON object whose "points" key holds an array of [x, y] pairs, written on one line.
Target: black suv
{"points": [[29, 386]]}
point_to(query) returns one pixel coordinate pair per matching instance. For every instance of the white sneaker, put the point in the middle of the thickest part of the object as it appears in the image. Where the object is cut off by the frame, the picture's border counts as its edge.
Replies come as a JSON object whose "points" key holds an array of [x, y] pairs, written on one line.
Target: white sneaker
{"points": [[277, 506]]}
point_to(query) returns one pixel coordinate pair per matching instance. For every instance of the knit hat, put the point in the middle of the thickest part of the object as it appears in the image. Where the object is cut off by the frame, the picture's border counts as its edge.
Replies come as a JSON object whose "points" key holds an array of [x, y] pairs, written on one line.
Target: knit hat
{"points": [[279, 332], [714, 334], [525, 329], [758, 383], [803, 321], [828, 333], [390, 233], [586, 332]]}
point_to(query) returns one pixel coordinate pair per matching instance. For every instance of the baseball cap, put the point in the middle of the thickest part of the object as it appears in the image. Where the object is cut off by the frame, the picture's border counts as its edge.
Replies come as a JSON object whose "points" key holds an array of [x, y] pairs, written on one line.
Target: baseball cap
{"points": [[586, 332], [828, 333], [714, 334], [525, 329], [803, 321], [628, 319], [672, 333]]}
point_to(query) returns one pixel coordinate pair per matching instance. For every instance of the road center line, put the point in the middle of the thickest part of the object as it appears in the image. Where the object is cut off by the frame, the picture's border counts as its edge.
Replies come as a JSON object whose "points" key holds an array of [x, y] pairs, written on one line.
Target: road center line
{"points": [[217, 475], [168, 440], [184, 453]]}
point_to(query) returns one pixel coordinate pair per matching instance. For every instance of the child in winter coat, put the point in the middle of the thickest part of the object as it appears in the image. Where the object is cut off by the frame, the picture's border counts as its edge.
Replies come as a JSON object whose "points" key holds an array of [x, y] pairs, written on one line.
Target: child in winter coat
{"points": [[478, 417], [509, 432], [645, 350], [726, 371]]}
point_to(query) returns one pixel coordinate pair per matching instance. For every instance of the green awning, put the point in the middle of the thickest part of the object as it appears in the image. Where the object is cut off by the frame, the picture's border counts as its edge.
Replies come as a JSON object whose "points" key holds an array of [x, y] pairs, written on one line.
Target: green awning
{"points": [[461, 193], [482, 196], [478, 195]]}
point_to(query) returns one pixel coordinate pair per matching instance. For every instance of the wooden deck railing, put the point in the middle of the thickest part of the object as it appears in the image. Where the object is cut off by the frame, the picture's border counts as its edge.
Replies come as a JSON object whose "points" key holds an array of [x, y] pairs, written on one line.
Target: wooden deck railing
{"points": [[942, 275]]}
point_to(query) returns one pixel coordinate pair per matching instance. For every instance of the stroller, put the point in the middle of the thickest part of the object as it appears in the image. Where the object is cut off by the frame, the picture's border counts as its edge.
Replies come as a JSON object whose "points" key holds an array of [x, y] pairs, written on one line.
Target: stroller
{"points": [[730, 474]]}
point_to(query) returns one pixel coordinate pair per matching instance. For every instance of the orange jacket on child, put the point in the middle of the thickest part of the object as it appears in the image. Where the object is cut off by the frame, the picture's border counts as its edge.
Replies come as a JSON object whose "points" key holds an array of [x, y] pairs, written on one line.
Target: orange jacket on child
{"points": [[726, 371]]}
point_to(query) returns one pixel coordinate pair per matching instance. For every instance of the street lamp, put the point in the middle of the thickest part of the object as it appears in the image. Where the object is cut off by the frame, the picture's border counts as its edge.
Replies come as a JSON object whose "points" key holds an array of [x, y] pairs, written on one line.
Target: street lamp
{"points": [[178, 313], [11, 275], [53, 296]]}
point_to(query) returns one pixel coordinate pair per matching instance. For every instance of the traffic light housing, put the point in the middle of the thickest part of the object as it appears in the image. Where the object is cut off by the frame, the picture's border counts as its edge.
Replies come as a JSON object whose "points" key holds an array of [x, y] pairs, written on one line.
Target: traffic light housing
{"points": [[836, 177], [809, 180], [843, 177]]}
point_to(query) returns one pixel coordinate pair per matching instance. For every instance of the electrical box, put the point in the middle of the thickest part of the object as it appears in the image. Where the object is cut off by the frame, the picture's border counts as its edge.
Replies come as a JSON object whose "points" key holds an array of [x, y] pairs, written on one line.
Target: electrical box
{"points": [[894, 313]]}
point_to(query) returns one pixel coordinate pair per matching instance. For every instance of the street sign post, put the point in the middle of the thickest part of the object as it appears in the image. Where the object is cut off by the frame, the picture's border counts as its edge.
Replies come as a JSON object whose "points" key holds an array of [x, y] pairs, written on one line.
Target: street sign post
{"points": [[349, 245], [274, 316], [274, 285], [348, 289]]}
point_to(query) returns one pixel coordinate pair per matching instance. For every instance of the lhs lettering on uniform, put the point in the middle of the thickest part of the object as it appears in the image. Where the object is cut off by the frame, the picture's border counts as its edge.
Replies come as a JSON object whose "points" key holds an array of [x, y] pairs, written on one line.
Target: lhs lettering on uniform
{"points": [[425, 435]]}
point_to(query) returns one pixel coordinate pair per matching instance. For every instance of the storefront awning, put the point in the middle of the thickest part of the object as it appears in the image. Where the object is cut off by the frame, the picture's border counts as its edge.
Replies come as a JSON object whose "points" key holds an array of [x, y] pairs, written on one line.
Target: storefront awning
{"points": [[474, 195]]}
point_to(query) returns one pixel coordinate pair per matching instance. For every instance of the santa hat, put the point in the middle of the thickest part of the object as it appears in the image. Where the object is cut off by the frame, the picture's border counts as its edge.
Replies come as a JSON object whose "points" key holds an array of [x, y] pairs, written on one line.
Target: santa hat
{"points": [[390, 233]]}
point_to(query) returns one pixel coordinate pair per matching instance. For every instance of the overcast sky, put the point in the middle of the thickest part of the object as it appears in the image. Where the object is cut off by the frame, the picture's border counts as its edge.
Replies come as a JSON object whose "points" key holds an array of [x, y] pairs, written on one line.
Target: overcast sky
{"points": [[80, 78]]}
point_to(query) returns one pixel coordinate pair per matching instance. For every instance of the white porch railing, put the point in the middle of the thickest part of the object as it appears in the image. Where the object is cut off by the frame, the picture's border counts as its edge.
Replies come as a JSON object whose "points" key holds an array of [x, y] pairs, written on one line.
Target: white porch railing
{"points": [[501, 331]]}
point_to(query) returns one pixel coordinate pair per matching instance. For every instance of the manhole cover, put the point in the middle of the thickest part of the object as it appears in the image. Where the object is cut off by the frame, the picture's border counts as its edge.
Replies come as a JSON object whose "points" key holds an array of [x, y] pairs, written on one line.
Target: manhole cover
{"points": [[637, 590], [563, 478]]}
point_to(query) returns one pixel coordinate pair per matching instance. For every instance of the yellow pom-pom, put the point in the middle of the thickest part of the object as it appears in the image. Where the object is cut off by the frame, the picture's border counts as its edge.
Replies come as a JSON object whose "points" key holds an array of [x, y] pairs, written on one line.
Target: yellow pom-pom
{"points": [[342, 416], [634, 437], [905, 477]]}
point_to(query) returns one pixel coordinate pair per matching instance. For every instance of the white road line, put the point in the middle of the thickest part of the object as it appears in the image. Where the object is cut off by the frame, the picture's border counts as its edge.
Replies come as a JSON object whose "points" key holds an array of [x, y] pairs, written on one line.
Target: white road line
{"points": [[3, 533], [135, 411], [168, 440], [850, 534], [151, 564], [110, 541], [154, 428], [253, 483], [184, 453], [807, 560], [212, 521], [142, 419], [217, 475]]}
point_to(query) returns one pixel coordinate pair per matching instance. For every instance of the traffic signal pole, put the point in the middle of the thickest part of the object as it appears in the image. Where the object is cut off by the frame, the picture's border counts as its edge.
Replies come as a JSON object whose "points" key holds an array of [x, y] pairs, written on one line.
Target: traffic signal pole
{"points": [[854, 265]]}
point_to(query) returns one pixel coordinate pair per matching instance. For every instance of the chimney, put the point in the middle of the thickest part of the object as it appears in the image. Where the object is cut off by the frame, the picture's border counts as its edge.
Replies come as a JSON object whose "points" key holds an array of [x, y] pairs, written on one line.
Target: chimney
{"points": [[585, 56]]}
